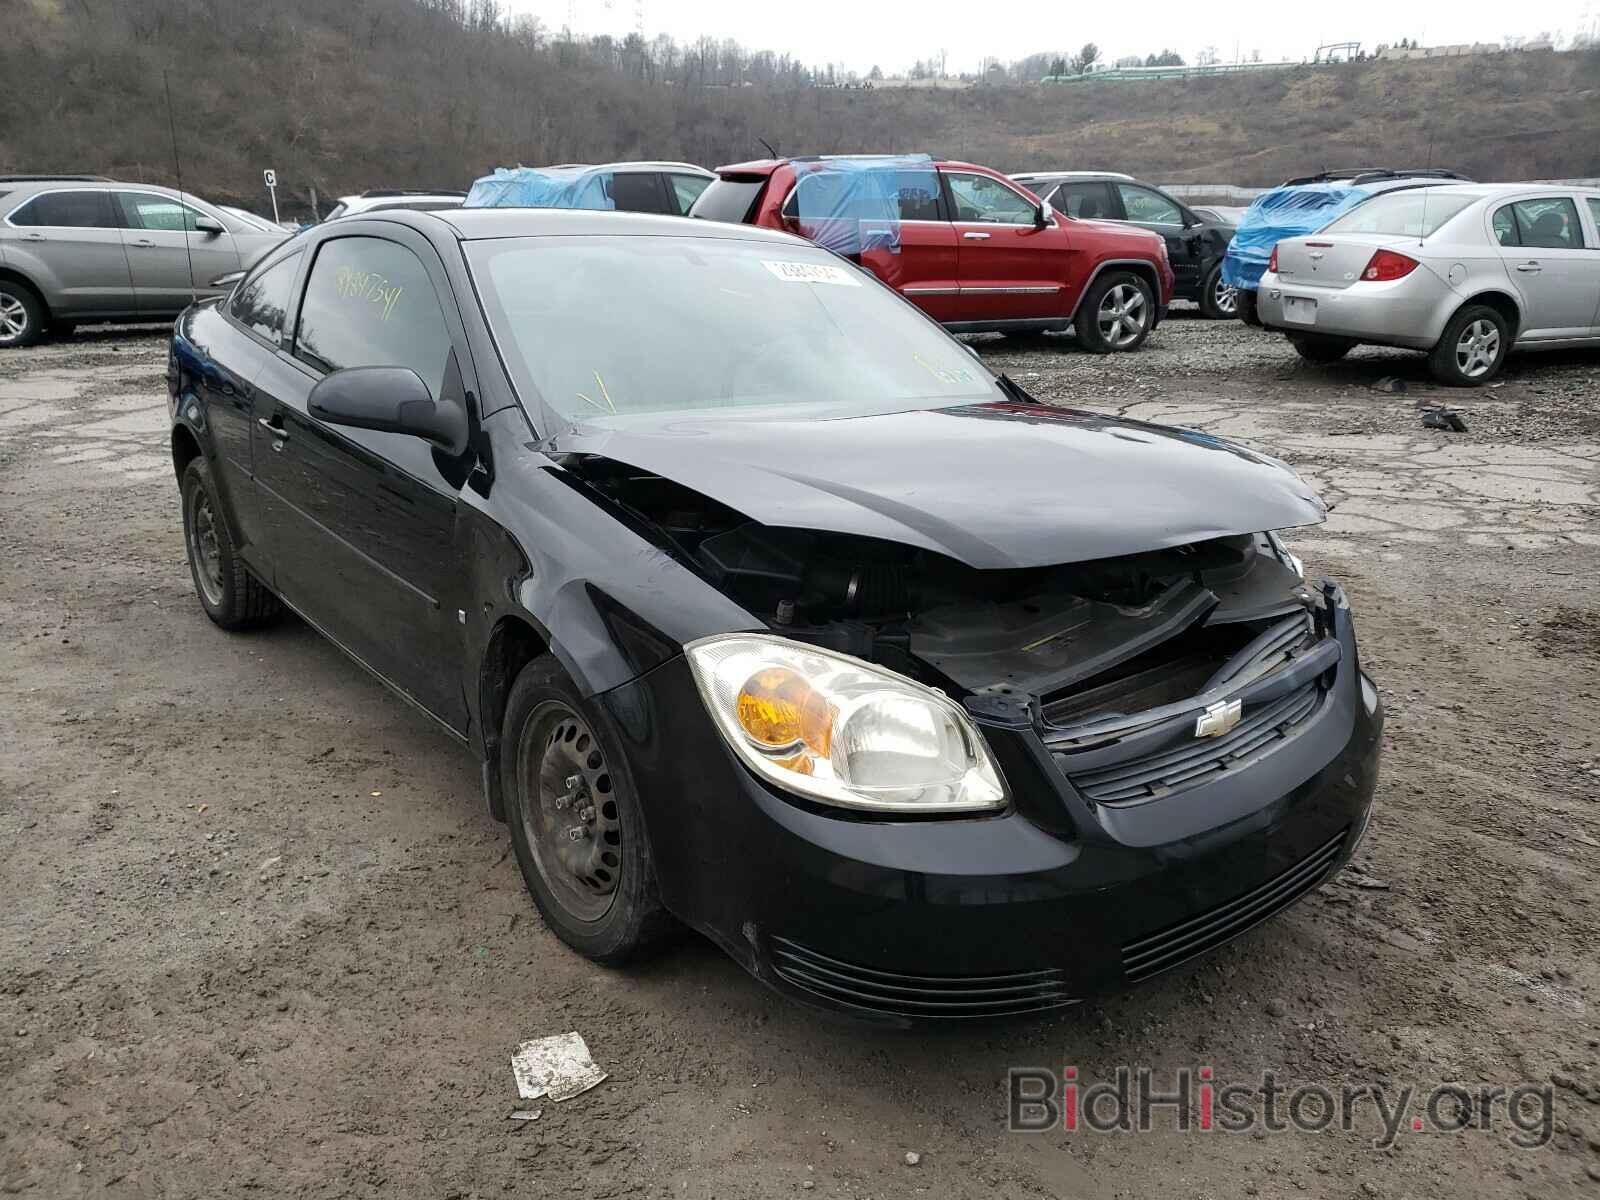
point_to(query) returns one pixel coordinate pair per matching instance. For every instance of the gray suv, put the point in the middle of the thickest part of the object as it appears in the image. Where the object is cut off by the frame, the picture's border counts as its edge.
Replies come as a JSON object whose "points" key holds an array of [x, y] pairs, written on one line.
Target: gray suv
{"points": [[82, 250]]}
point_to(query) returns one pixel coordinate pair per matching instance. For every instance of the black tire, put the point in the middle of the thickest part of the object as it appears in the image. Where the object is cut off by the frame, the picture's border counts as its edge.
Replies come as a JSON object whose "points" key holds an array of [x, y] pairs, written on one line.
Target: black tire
{"points": [[1218, 301], [23, 318], [1321, 349], [560, 759], [231, 596], [1476, 325], [1246, 300], [1089, 323]]}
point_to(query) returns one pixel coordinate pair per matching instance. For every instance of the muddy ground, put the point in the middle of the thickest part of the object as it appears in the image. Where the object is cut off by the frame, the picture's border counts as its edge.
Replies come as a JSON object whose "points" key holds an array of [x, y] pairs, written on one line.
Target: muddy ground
{"points": [[258, 935]]}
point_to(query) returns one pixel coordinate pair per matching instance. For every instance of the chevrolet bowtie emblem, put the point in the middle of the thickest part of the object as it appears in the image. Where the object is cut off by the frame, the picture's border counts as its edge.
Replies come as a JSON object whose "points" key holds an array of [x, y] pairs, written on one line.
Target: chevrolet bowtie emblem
{"points": [[1218, 718]]}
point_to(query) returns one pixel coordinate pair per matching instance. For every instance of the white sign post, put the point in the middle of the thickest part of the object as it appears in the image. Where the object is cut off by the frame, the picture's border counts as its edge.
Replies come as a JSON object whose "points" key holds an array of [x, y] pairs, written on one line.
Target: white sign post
{"points": [[270, 178]]}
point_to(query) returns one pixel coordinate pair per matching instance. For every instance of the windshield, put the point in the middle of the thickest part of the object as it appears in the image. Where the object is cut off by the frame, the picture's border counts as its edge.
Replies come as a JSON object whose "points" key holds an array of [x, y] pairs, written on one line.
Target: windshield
{"points": [[603, 328], [1415, 213]]}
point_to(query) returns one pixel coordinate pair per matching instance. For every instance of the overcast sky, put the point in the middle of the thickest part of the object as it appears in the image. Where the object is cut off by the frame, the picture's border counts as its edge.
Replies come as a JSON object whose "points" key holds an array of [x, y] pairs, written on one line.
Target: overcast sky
{"points": [[860, 34]]}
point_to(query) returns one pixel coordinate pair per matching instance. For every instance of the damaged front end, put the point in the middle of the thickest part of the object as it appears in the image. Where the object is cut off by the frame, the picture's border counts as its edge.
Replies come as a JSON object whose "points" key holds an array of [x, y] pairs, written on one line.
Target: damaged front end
{"points": [[1186, 742]]}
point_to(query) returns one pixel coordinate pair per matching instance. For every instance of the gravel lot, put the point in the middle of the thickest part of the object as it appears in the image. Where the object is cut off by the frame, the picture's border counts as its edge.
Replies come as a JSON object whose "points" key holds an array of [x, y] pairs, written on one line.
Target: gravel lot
{"points": [[259, 936]]}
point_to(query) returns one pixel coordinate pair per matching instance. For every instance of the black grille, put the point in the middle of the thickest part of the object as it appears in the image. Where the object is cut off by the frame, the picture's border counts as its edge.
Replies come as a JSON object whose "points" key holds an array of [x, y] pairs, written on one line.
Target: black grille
{"points": [[1177, 943], [939, 997], [1160, 774]]}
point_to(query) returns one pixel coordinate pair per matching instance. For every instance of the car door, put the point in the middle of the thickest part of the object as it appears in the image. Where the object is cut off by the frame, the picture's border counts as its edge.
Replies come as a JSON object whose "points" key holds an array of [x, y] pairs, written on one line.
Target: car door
{"points": [[258, 312], [75, 238], [685, 190], [1149, 209], [171, 261], [1593, 205], [360, 526], [1010, 269], [1542, 245], [910, 246]]}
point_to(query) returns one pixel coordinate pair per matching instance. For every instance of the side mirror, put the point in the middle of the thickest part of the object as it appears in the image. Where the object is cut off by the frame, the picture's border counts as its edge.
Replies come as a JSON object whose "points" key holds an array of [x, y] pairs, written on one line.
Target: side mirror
{"points": [[1043, 215], [209, 226], [389, 400]]}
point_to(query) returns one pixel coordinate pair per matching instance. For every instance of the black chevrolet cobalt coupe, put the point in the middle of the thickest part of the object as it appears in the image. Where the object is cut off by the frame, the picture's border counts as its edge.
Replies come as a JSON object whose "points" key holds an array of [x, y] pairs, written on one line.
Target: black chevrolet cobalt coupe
{"points": [[769, 610]]}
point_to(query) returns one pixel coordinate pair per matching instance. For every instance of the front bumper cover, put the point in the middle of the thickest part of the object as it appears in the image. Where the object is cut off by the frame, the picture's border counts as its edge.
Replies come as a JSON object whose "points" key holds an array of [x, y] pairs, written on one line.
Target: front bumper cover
{"points": [[1054, 900]]}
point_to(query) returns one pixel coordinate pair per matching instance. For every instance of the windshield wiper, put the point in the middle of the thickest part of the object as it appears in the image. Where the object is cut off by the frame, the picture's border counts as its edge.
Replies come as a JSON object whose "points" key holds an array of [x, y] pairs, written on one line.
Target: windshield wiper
{"points": [[1014, 390]]}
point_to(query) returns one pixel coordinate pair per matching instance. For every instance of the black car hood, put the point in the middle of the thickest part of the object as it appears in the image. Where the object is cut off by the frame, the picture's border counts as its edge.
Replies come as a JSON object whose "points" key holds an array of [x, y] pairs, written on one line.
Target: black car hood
{"points": [[992, 485]]}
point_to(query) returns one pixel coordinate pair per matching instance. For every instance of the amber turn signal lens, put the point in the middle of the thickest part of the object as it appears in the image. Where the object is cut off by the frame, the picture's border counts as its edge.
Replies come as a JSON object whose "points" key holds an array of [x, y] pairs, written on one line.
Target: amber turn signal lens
{"points": [[778, 709]]}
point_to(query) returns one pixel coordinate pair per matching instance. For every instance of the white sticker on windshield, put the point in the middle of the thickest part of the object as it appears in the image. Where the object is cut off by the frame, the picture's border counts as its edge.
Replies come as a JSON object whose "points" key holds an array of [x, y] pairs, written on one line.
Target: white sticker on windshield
{"points": [[795, 272]]}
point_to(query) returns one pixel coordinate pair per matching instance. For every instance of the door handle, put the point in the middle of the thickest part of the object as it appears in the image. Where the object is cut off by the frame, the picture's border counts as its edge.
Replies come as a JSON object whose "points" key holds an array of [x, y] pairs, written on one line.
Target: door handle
{"points": [[33, 237], [1530, 268], [145, 242], [974, 235]]}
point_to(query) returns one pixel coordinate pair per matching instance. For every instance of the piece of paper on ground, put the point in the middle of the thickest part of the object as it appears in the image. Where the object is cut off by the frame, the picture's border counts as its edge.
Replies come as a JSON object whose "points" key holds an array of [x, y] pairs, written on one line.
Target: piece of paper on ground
{"points": [[558, 1067]]}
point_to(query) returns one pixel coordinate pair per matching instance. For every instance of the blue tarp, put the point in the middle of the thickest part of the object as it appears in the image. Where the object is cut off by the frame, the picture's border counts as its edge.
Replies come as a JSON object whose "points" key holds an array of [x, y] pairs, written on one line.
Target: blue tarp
{"points": [[1281, 213], [852, 204], [549, 187]]}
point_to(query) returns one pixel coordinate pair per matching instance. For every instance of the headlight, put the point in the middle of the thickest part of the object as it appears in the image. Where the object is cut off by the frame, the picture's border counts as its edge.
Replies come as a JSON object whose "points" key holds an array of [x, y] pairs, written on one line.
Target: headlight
{"points": [[842, 731]]}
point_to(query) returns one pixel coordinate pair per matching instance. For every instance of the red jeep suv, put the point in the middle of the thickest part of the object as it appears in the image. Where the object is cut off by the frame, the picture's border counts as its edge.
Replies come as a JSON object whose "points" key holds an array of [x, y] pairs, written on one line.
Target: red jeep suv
{"points": [[975, 251]]}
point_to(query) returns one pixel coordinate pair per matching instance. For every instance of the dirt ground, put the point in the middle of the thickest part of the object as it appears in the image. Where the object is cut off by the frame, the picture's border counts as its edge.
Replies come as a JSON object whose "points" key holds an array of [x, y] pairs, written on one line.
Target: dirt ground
{"points": [[259, 936]]}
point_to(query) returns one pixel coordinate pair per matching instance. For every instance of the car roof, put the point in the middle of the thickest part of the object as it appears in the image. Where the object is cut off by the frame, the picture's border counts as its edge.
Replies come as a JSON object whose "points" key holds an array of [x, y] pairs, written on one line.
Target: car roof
{"points": [[478, 224], [1034, 176], [635, 165], [766, 166]]}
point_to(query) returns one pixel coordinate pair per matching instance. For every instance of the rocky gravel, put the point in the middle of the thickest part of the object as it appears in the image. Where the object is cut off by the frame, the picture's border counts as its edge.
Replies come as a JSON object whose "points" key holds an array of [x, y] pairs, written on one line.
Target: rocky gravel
{"points": [[259, 936]]}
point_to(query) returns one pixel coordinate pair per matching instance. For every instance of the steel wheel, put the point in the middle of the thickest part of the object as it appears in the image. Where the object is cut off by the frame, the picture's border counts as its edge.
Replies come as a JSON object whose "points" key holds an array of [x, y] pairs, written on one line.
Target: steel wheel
{"points": [[570, 816], [205, 551], [1224, 298], [1478, 349], [14, 319], [1122, 316]]}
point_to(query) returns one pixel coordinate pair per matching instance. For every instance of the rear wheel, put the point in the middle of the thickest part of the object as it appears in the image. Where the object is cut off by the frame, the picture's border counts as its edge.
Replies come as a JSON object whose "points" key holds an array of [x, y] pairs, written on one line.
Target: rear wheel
{"points": [[1472, 349], [230, 595], [576, 824], [22, 315], [1116, 314], [1217, 300], [1321, 349]]}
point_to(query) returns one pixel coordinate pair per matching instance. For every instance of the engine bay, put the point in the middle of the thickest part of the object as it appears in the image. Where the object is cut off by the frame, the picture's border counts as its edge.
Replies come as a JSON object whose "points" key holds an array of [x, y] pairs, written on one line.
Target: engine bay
{"points": [[1078, 638]]}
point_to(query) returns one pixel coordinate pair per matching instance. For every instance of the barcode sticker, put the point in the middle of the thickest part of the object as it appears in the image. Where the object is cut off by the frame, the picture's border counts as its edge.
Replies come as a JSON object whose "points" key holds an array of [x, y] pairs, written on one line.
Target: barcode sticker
{"points": [[795, 272]]}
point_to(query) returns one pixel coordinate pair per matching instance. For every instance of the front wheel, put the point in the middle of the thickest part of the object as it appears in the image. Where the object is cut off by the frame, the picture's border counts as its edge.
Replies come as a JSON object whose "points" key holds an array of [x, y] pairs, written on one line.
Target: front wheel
{"points": [[1472, 349], [1116, 314], [1217, 300], [1321, 349], [576, 824], [21, 316], [231, 596]]}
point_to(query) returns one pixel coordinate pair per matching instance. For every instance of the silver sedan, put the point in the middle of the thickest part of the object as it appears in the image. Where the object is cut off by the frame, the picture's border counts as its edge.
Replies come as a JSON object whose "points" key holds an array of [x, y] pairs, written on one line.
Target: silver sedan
{"points": [[1464, 272]]}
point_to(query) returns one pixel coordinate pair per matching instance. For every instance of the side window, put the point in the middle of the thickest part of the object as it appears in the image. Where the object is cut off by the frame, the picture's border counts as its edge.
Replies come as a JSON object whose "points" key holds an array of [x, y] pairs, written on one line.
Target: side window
{"points": [[980, 198], [919, 196], [1152, 208], [1550, 224], [262, 302], [68, 210], [1594, 212], [1504, 223], [1086, 201], [686, 190], [638, 191], [370, 303], [595, 192], [143, 210]]}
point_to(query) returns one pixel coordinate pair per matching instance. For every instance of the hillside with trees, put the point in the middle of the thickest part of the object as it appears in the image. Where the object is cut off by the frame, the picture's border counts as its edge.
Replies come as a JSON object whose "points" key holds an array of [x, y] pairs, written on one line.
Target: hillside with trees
{"points": [[367, 93]]}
